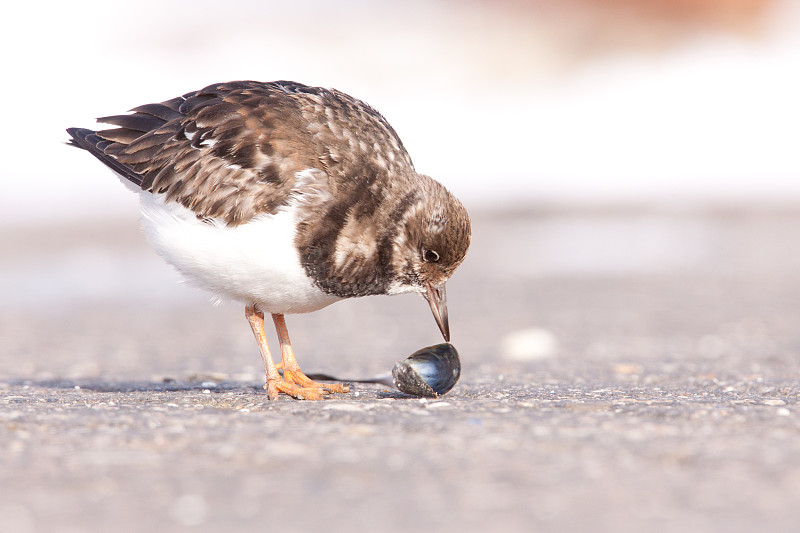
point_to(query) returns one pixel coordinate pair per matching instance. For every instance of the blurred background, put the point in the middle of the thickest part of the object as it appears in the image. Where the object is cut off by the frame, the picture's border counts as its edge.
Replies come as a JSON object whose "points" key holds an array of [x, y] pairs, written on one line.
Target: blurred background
{"points": [[527, 101], [590, 139], [631, 168]]}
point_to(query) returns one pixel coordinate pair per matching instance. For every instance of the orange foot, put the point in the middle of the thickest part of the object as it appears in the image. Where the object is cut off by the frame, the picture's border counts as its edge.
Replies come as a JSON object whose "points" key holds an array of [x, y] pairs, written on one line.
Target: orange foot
{"points": [[307, 387], [295, 391], [294, 382]]}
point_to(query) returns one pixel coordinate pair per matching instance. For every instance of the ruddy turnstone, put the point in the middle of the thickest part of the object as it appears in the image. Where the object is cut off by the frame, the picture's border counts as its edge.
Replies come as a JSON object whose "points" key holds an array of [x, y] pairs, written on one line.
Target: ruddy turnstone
{"points": [[287, 198]]}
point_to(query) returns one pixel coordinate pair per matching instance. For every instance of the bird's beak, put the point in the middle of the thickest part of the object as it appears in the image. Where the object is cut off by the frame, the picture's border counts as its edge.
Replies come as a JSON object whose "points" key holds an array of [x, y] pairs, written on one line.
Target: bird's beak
{"points": [[437, 298]]}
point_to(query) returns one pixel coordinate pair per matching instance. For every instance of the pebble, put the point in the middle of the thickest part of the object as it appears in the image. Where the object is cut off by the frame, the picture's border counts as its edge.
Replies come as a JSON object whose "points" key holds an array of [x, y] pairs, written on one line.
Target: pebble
{"points": [[774, 402], [628, 369], [530, 344]]}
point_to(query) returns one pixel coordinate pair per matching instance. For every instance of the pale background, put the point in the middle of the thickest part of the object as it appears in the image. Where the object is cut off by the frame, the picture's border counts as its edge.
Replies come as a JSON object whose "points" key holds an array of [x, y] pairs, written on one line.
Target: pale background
{"points": [[595, 101], [626, 316]]}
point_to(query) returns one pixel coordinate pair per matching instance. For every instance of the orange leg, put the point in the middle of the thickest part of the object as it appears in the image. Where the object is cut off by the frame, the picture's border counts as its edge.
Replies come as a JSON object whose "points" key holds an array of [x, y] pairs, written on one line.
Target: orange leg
{"points": [[275, 384], [256, 320], [291, 370]]}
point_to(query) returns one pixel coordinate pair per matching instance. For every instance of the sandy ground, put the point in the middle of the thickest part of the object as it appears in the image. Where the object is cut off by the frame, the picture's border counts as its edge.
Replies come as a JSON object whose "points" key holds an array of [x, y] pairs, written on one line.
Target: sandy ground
{"points": [[623, 370]]}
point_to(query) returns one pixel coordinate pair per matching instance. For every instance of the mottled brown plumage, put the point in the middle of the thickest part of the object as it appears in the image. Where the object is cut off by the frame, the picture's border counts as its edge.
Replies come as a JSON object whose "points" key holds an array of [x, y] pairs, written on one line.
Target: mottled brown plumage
{"points": [[231, 151], [248, 154]]}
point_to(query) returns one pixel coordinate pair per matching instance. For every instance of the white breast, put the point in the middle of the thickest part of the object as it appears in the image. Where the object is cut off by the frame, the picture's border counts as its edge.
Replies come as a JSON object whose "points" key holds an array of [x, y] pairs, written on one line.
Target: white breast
{"points": [[254, 262]]}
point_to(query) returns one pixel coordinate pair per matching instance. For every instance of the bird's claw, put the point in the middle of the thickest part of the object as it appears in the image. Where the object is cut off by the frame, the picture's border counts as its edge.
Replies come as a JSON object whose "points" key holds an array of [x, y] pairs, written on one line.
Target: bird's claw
{"points": [[298, 378], [298, 385]]}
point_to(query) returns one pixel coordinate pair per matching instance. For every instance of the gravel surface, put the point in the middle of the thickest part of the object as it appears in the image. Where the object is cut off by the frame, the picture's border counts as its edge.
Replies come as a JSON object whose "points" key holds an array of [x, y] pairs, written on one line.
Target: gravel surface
{"points": [[622, 370]]}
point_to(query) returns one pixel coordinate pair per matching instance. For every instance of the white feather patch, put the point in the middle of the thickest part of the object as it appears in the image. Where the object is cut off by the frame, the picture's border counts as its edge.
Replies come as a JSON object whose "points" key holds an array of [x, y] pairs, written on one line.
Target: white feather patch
{"points": [[254, 262]]}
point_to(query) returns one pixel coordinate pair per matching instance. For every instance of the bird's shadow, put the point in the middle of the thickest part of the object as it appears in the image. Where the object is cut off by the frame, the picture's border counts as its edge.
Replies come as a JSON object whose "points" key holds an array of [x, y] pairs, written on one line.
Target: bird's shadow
{"points": [[166, 385], [374, 391]]}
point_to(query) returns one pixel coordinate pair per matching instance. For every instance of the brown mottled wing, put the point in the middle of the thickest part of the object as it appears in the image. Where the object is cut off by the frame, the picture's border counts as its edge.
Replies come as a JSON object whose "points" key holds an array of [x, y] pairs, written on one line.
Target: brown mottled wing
{"points": [[229, 151], [232, 150]]}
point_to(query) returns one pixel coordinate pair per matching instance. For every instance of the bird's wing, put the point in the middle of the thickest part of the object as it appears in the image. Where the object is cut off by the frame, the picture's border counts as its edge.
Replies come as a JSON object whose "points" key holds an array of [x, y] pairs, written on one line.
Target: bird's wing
{"points": [[228, 152]]}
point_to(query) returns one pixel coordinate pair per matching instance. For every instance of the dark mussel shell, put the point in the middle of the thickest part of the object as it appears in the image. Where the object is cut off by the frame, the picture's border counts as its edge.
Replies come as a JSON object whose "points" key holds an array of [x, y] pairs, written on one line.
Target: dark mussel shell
{"points": [[428, 372]]}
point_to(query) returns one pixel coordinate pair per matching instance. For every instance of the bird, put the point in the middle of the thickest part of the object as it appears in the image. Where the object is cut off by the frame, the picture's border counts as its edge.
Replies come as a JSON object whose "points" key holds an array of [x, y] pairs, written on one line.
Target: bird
{"points": [[287, 198]]}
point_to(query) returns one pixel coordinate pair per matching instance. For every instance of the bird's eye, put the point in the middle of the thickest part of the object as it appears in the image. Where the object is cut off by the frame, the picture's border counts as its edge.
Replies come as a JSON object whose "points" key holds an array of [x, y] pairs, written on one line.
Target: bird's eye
{"points": [[430, 256]]}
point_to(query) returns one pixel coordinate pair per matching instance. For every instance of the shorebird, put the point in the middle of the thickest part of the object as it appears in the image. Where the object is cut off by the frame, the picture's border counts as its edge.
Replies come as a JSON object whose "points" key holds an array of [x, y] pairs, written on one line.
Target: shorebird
{"points": [[287, 198]]}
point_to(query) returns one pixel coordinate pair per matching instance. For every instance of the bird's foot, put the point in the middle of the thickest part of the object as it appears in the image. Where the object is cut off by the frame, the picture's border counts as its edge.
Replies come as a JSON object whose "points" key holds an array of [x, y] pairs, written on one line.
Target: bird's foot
{"points": [[295, 391], [298, 378], [298, 385]]}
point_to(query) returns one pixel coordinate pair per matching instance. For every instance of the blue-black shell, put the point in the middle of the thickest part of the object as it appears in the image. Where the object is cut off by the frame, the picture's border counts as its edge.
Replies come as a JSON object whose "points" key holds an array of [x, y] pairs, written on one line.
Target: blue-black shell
{"points": [[429, 372]]}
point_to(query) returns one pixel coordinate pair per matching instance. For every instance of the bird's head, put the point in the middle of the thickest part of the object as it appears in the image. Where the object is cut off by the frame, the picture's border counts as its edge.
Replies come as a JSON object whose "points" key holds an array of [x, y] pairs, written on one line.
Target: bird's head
{"points": [[434, 238]]}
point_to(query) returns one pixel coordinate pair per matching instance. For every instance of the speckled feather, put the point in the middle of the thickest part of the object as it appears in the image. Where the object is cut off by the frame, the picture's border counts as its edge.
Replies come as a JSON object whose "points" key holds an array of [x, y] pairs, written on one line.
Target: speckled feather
{"points": [[231, 151], [235, 152]]}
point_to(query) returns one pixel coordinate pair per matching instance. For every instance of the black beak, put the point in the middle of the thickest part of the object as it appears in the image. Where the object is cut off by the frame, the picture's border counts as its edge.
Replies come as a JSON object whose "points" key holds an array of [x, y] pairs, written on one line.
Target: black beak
{"points": [[437, 298]]}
